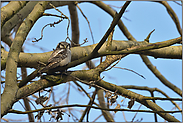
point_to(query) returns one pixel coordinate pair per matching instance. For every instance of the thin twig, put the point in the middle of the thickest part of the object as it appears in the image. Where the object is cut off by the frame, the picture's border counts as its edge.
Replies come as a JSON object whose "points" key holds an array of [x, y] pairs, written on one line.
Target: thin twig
{"points": [[76, 105], [64, 16], [87, 22], [155, 114], [160, 98], [22, 105], [147, 39], [177, 3], [32, 104], [85, 41], [91, 103], [97, 118], [131, 71], [49, 96], [51, 25], [136, 114]]}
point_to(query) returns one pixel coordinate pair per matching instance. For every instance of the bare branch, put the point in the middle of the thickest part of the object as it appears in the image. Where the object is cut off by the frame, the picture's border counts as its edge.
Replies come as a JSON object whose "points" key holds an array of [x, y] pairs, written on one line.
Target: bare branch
{"points": [[76, 105], [131, 71], [172, 15], [162, 78], [74, 23], [147, 39], [11, 64], [87, 22], [151, 90], [51, 25], [113, 24]]}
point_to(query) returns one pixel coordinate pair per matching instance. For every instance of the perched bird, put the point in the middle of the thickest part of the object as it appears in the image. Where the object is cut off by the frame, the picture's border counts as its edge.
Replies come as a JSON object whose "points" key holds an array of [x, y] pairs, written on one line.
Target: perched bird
{"points": [[61, 56]]}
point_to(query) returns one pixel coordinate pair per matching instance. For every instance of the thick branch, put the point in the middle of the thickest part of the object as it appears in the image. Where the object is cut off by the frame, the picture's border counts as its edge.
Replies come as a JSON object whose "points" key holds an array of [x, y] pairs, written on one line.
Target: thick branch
{"points": [[31, 59], [11, 87], [10, 9], [123, 28], [88, 75], [18, 18]]}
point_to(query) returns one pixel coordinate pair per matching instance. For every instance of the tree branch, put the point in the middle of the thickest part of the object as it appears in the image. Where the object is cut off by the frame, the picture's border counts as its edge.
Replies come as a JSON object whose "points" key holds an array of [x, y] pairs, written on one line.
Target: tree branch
{"points": [[113, 24], [151, 90], [162, 78], [10, 9], [130, 37], [74, 23], [172, 15], [31, 59], [11, 87], [76, 105], [20, 16], [90, 75]]}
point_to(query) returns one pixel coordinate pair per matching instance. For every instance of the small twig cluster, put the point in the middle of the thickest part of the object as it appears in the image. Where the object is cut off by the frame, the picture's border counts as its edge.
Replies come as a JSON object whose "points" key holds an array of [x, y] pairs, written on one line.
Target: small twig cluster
{"points": [[111, 96], [131, 103], [59, 113], [40, 114], [113, 66], [85, 41]]}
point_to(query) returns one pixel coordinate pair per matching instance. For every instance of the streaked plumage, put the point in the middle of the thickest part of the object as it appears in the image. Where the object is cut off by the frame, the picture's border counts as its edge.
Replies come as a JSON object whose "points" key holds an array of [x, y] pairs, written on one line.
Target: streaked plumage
{"points": [[61, 56]]}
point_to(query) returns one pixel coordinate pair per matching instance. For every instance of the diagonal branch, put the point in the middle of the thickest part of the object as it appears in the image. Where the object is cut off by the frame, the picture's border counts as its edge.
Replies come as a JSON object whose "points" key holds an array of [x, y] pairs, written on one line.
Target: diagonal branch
{"points": [[86, 75], [172, 15], [11, 9], [87, 22], [86, 111], [111, 12], [123, 28], [161, 77], [113, 24], [18, 18], [151, 90], [11, 87]]}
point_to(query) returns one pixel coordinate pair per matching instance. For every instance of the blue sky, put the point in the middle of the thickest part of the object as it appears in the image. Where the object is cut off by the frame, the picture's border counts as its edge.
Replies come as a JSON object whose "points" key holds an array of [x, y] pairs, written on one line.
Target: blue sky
{"points": [[143, 18]]}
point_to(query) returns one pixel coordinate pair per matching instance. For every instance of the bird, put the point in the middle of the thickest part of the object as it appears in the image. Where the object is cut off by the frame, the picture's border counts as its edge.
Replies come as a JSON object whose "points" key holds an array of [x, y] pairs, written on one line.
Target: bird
{"points": [[60, 57]]}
